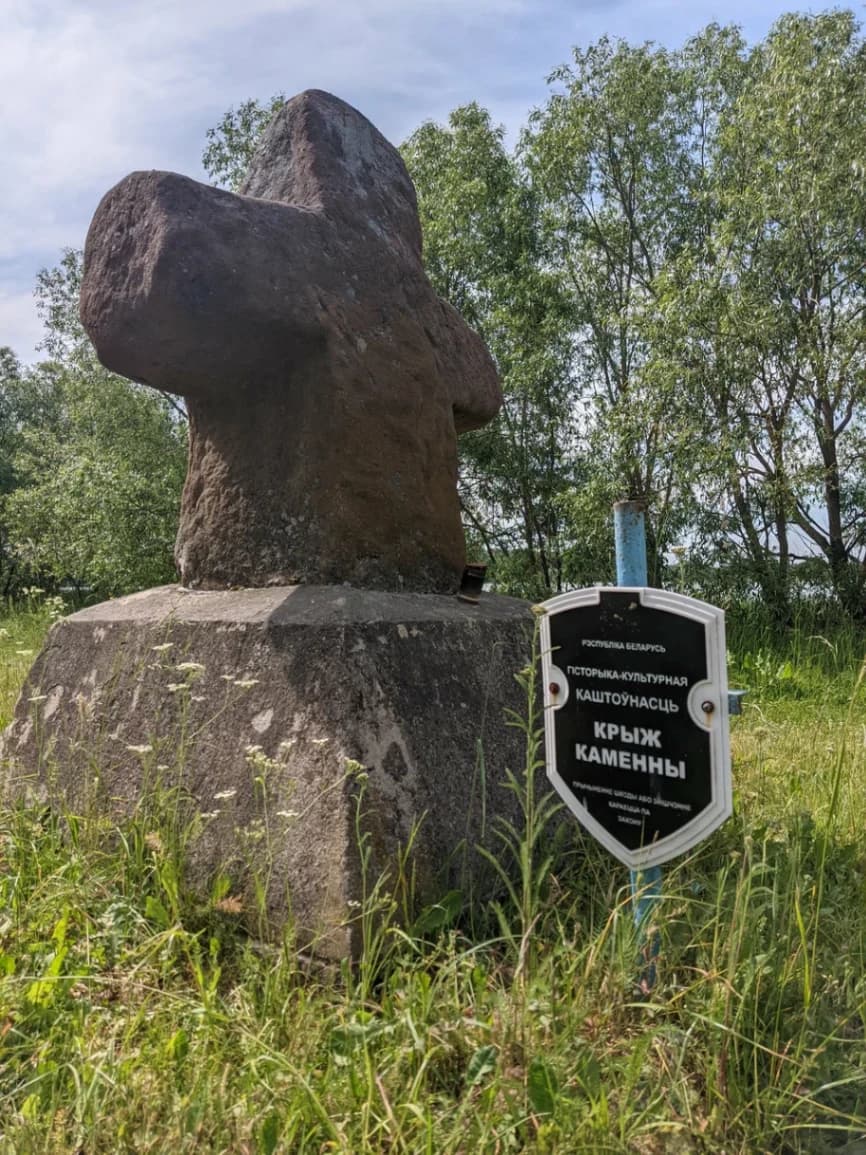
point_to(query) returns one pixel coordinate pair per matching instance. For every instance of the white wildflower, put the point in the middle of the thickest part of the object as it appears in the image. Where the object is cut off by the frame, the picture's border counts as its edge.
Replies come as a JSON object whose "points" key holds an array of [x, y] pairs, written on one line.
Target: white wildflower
{"points": [[161, 649], [223, 794], [145, 748]]}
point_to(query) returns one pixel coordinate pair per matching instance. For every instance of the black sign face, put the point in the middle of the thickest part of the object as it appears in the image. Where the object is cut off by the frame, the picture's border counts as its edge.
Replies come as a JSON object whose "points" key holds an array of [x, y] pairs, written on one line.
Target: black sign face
{"points": [[636, 718]]}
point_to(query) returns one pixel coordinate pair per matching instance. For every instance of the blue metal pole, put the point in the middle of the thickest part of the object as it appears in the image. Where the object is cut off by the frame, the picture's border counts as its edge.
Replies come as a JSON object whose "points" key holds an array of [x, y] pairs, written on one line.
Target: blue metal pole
{"points": [[629, 536], [629, 533]]}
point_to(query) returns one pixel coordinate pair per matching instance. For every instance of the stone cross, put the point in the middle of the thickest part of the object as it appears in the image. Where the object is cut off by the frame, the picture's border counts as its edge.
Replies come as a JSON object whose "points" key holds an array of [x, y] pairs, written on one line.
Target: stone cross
{"points": [[325, 381]]}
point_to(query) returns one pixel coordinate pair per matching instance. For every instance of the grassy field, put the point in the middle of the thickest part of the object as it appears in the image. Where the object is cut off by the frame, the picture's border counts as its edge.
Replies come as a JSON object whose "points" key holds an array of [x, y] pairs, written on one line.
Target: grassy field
{"points": [[133, 1019]]}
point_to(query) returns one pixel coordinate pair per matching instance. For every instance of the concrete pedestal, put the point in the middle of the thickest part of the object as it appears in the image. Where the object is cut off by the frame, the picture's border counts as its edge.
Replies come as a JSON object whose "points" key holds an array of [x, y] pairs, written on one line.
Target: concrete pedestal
{"points": [[285, 725]]}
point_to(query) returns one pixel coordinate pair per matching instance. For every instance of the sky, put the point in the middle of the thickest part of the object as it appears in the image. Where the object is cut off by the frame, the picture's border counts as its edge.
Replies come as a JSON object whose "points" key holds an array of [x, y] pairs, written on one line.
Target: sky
{"points": [[94, 89]]}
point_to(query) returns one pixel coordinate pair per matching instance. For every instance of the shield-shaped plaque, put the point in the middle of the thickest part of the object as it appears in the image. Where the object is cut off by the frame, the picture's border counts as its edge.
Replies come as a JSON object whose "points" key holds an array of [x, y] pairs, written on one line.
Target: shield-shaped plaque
{"points": [[636, 718]]}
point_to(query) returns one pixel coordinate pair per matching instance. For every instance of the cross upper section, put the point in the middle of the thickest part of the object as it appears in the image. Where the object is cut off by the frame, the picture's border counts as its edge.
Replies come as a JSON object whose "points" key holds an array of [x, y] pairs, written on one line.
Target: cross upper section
{"points": [[325, 380]]}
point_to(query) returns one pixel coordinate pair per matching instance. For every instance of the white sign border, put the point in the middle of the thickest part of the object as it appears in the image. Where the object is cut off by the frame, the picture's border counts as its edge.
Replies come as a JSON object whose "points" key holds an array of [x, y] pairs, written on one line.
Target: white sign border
{"points": [[715, 689]]}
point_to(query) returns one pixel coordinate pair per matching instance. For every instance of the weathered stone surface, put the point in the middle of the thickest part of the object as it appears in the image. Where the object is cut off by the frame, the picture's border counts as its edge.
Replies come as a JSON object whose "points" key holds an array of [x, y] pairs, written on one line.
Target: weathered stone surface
{"points": [[326, 382], [406, 685]]}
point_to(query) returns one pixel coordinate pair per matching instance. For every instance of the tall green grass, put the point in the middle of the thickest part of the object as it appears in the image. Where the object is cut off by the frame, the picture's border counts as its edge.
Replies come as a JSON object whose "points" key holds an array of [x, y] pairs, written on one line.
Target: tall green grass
{"points": [[22, 629], [134, 1017]]}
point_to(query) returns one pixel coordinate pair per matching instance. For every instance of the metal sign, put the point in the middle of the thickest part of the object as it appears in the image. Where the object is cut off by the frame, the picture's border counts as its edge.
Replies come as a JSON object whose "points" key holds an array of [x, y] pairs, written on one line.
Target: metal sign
{"points": [[636, 718]]}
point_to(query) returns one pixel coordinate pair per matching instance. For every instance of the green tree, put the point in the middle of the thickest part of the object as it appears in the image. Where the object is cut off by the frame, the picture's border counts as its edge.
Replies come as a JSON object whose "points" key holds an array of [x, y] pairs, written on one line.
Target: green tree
{"points": [[10, 376], [483, 251], [231, 143], [28, 400], [95, 463], [618, 156], [96, 502], [769, 312]]}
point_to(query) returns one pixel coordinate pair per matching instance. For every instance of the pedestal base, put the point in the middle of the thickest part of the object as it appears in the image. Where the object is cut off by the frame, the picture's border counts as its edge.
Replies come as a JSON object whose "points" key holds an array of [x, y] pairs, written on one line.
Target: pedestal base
{"points": [[295, 729]]}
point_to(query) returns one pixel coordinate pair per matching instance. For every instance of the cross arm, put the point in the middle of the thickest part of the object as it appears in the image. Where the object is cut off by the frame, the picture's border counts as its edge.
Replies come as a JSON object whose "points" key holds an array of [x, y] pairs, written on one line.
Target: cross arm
{"points": [[194, 290], [468, 368]]}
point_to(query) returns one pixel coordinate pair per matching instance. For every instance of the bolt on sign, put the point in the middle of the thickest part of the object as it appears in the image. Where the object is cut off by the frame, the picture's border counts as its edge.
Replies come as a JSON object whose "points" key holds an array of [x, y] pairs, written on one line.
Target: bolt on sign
{"points": [[636, 718]]}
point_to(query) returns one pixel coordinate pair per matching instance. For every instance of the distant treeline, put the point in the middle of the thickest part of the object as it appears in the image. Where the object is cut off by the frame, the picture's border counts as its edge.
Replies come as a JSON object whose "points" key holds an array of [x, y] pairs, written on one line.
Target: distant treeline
{"points": [[669, 266]]}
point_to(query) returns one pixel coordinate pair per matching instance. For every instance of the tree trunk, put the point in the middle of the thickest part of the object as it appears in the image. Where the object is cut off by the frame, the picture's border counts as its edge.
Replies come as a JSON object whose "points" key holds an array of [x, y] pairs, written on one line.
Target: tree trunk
{"points": [[774, 585], [847, 583]]}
